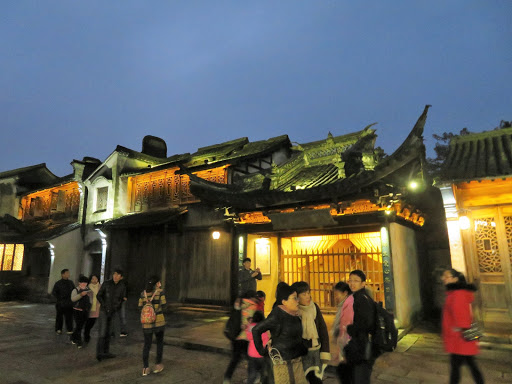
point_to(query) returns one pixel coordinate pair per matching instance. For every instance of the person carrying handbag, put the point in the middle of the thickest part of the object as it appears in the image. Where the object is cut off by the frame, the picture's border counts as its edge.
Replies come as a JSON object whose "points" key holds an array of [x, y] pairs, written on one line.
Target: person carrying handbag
{"points": [[287, 347], [457, 317]]}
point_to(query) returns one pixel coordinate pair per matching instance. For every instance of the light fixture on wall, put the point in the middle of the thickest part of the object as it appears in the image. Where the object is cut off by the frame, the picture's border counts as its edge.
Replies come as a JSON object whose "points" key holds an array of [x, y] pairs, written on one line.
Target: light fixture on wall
{"points": [[216, 235], [464, 223], [413, 185]]}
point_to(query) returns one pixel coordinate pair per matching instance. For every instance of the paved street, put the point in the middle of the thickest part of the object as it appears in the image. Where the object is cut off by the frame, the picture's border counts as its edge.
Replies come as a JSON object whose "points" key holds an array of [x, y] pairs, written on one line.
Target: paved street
{"points": [[32, 353]]}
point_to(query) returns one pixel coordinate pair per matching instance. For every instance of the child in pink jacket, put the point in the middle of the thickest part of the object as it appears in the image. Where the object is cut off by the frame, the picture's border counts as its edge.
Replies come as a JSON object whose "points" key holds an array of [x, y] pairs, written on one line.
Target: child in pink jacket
{"points": [[255, 359]]}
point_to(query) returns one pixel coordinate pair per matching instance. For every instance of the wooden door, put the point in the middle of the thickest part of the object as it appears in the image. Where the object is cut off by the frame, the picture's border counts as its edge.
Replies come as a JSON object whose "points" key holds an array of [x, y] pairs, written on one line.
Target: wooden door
{"points": [[491, 261]]}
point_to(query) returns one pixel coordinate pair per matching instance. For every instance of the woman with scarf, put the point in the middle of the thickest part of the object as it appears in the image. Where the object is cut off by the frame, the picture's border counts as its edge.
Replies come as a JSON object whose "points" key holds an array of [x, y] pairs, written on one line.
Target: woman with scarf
{"points": [[94, 312], [457, 317], [314, 332], [285, 329], [344, 317]]}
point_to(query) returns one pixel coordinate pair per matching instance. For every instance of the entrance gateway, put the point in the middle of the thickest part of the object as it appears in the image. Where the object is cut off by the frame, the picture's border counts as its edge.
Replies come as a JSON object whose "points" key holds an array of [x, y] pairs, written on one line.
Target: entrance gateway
{"points": [[322, 261]]}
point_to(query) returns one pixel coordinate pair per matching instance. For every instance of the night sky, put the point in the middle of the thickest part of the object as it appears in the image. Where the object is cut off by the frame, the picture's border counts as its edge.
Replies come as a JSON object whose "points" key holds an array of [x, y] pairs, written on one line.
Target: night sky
{"points": [[78, 78]]}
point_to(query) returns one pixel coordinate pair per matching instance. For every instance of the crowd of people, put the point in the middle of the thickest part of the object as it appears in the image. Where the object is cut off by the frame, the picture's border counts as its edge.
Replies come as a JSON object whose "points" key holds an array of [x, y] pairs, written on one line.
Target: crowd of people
{"points": [[292, 344], [90, 302]]}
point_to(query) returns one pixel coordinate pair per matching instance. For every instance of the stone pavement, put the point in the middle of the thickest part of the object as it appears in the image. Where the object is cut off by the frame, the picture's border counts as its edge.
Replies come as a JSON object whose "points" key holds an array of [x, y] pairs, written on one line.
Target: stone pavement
{"points": [[195, 352]]}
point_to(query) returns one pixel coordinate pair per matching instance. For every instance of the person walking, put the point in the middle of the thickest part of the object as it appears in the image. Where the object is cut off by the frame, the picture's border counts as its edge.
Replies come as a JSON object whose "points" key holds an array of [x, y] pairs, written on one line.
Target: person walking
{"points": [[248, 306], [81, 307], [285, 329], [110, 296], [314, 332], [154, 295], [121, 314], [344, 317], [358, 351], [64, 306], [247, 278], [94, 312], [256, 361], [457, 316]]}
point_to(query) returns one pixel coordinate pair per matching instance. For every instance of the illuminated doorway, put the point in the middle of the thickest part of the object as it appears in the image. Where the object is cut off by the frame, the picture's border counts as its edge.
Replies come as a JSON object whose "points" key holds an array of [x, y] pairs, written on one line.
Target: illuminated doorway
{"points": [[324, 260]]}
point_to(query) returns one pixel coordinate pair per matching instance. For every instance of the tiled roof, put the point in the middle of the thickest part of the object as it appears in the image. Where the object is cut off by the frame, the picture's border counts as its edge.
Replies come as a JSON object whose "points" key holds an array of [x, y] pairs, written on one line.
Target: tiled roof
{"points": [[142, 219], [318, 182], [311, 177], [479, 155]]}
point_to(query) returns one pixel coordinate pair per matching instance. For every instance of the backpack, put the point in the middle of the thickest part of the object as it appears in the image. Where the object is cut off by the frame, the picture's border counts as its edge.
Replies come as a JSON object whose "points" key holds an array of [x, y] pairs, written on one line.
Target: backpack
{"points": [[233, 325], [148, 314], [385, 336]]}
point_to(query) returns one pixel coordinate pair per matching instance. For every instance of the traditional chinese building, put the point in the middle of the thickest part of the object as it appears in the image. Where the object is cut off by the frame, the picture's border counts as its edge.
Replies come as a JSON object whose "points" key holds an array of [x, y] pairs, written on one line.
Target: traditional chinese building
{"points": [[311, 211], [40, 229], [477, 192], [333, 206]]}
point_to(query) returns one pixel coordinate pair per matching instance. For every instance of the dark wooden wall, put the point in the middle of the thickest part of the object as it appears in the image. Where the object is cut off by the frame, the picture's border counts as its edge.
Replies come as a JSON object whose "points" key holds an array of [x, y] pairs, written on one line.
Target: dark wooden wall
{"points": [[196, 267]]}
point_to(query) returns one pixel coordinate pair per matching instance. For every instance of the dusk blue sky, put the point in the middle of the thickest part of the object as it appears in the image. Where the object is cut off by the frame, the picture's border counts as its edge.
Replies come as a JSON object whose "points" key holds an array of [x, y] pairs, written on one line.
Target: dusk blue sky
{"points": [[78, 78]]}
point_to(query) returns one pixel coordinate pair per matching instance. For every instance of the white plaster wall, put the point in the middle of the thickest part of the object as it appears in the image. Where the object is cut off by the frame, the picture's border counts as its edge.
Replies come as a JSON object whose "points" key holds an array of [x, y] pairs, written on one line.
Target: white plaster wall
{"points": [[405, 273], [9, 202], [92, 216], [68, 253]]}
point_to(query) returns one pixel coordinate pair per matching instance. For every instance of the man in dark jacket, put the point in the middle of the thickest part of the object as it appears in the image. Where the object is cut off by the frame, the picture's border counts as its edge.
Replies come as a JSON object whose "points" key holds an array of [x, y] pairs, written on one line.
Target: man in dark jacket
{"points": [[359, 361], [64, 306], [110, 296], [247, 277]]}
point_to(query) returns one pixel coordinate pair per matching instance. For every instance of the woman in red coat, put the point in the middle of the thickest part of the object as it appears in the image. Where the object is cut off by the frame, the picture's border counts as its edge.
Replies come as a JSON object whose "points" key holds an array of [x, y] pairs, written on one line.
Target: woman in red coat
{"points": [[457, 317]]}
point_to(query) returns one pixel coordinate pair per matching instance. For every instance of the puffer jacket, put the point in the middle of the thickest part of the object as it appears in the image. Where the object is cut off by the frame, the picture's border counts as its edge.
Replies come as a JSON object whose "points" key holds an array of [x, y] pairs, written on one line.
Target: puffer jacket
{"points": [[110, 296], [456, 317], [285, 332]]}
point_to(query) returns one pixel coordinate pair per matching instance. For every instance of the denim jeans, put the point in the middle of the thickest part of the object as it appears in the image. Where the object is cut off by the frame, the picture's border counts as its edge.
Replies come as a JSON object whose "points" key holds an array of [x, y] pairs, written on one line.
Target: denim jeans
{"points": [[148, 340], [80, 320], [255, 369], [104, 330]]}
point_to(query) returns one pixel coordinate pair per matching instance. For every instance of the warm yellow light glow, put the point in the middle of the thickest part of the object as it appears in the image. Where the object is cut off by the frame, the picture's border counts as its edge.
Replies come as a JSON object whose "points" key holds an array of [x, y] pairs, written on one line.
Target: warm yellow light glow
{"points": [[216, 235], [18, 257], [464, 222], [413, 185], [262, 241]]}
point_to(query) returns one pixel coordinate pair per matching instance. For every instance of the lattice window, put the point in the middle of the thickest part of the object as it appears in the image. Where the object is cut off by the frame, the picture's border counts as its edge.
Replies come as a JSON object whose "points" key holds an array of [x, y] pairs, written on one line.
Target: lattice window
{"points": [[18, 257], [487, 245], [101, 198], [8, 256], [508, 234], [11, 257], [55, 200]]}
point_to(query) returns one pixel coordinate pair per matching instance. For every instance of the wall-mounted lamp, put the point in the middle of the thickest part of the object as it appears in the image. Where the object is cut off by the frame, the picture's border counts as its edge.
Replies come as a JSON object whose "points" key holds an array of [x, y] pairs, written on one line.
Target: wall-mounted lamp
{"points": [[216, 235], [464, 222]]}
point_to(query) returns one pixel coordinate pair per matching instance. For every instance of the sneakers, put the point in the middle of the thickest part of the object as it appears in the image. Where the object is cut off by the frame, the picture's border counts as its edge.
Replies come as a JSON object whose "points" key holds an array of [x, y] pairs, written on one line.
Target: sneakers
{"points": [[73, 342], [123, 334], [158, 368], [59, 332], [145, 371]]}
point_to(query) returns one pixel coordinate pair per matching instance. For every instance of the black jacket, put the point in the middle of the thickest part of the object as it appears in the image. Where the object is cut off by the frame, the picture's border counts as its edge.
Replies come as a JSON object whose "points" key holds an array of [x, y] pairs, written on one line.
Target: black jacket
{"points": [[285, 332], [246, 282], [62, 292], [111, 296], [362, 327]]}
